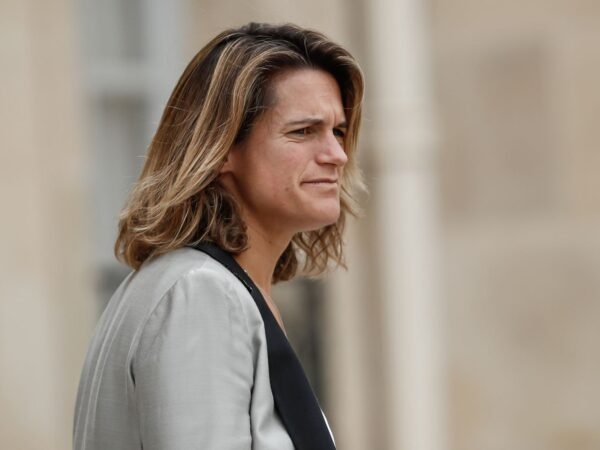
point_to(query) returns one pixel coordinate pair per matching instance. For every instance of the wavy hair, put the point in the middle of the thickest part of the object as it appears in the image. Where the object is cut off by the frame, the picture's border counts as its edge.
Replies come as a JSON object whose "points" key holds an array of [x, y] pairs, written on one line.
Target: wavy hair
{"points": [[178, 201]]}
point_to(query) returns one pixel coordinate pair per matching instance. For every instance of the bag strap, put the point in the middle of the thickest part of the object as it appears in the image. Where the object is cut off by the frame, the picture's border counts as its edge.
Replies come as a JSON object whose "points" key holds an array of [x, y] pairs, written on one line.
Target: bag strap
{"points": [[294, 398]]}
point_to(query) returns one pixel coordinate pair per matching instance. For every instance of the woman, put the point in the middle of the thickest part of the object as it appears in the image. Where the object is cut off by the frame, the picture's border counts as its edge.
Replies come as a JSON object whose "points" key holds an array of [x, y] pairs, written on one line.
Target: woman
{"points": [[247, 181]]}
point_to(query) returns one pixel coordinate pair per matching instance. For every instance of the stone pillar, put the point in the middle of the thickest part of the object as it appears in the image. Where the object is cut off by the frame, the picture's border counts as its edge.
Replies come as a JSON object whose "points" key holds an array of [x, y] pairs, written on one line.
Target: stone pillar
{"points": [[402, 133], [45, 283]]}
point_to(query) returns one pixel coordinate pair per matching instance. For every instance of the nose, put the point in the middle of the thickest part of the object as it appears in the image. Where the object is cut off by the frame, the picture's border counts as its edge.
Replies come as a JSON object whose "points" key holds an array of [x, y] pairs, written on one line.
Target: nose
{"points": [[332, 152]]}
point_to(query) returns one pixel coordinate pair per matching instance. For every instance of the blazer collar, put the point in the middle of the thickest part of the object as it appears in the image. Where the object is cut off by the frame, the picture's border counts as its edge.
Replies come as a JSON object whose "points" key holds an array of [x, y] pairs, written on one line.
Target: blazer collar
{"points": [[293, 396]]}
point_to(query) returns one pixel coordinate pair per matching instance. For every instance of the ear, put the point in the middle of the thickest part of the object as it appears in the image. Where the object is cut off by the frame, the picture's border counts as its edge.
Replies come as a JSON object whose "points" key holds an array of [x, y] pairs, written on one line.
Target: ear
{"points": [[229, 162], [226, 167]]}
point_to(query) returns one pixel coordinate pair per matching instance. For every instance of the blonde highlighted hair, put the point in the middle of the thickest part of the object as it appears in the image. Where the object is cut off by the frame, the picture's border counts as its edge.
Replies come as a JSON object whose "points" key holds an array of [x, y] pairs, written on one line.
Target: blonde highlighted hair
{"points": [[178, 201]]}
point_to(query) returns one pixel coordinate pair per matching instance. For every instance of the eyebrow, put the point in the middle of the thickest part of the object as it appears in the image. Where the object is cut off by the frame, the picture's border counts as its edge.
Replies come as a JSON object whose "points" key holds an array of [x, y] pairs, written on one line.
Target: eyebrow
{"points": [[313, 121]]}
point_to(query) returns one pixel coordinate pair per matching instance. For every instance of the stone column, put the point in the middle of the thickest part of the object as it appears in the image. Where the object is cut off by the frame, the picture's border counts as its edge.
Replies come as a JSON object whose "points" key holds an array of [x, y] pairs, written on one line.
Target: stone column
{"points": [[402, 133], [45, 282]]}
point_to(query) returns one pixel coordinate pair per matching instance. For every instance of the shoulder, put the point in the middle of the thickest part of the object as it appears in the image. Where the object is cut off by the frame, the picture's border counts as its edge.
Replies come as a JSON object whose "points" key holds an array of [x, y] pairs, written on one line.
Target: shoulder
{"points": [[199, 299], [179, 264], [181, 270], [192, 277]]}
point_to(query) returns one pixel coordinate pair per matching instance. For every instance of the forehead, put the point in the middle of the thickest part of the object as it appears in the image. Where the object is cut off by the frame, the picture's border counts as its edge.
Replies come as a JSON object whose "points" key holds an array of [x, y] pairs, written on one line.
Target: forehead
{"points": [[306, 92]]}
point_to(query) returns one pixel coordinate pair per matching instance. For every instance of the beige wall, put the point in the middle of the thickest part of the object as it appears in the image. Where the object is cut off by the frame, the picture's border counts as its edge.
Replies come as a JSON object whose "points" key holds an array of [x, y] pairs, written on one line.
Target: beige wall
{"points": [[519, 101], [45, 288]]}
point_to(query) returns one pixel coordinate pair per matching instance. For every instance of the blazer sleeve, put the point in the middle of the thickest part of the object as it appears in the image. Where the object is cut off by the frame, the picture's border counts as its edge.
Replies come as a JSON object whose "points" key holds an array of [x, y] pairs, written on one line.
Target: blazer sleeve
{"points": [[193, 369]]}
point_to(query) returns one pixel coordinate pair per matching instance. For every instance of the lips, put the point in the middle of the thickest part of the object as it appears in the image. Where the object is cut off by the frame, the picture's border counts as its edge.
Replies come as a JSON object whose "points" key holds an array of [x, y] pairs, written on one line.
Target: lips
{"points": [[322, 181]]}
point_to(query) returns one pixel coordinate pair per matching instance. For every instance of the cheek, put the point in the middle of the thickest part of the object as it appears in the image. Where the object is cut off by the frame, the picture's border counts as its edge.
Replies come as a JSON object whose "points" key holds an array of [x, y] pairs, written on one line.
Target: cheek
{"points": [[285, 172], [293, 163], [276, 172]]}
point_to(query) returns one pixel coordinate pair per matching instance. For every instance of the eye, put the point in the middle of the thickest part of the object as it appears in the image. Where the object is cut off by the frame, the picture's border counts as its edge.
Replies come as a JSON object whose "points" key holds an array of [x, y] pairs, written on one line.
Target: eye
{"points": [[302, 131], [339, 133]]}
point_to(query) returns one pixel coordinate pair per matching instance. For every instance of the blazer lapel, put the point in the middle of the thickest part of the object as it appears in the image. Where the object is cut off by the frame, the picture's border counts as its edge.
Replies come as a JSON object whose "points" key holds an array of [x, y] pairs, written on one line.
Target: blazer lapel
{"points": [[294, 398]]}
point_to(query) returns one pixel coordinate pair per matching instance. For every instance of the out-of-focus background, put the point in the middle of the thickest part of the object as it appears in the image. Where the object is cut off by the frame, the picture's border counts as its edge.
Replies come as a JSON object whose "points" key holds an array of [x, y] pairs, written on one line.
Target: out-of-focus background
{"points": [[469, 318]]}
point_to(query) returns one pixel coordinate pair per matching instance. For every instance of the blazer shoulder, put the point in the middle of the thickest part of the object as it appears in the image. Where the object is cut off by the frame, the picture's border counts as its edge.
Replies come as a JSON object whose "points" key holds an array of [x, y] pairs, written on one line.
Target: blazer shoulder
{"points": [[179, 286], [201, 295], [182, 275], [159, 275]]}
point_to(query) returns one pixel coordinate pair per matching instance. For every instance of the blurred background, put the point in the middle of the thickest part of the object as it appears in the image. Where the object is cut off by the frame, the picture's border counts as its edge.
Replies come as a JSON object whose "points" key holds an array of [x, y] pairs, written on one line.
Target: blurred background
{"points": [[469, 318]]}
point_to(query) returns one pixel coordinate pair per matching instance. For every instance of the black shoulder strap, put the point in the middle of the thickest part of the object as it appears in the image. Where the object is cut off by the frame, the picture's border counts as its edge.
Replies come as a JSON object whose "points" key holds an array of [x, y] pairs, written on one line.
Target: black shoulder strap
{"points": [[294, 398]]}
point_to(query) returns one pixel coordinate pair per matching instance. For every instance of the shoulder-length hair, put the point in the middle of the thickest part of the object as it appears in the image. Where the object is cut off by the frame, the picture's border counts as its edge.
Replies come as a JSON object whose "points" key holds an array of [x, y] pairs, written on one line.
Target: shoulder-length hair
{"points": [[178, 201]]}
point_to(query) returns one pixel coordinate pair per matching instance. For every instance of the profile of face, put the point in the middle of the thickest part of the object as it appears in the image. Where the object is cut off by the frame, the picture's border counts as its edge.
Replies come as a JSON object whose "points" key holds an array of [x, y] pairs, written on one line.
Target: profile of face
{"points": [[286, 174]]}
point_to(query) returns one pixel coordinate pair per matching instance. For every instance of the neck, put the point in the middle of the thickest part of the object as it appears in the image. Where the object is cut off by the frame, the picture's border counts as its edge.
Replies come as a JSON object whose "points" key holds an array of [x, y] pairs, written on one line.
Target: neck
{"points": [[260, 259]]}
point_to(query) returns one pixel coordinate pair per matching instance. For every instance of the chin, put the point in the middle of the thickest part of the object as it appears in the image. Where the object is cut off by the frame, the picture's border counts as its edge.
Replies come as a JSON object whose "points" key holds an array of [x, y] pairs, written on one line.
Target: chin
{"points": [[323, 220]]}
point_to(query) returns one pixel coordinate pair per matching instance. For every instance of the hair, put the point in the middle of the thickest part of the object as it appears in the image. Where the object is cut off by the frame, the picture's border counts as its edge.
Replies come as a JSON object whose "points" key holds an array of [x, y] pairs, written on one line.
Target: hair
{"points": [[178, 200]]}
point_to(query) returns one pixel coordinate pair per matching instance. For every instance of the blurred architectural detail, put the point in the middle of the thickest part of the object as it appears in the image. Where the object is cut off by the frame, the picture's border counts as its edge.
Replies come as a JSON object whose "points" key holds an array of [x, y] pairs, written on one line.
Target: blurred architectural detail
{"points": [[519, 102], [46, 301], [132, 58], [405, 237]]}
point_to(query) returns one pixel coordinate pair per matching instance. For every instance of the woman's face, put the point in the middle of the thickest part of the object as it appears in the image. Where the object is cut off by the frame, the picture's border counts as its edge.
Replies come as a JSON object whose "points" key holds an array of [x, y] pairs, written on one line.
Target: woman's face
{"points": [[287, 172]]}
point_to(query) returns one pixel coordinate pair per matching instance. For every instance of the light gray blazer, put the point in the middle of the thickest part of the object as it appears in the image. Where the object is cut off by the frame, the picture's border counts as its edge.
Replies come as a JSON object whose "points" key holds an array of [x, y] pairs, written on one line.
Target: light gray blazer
{"points": [[178, 361]]}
